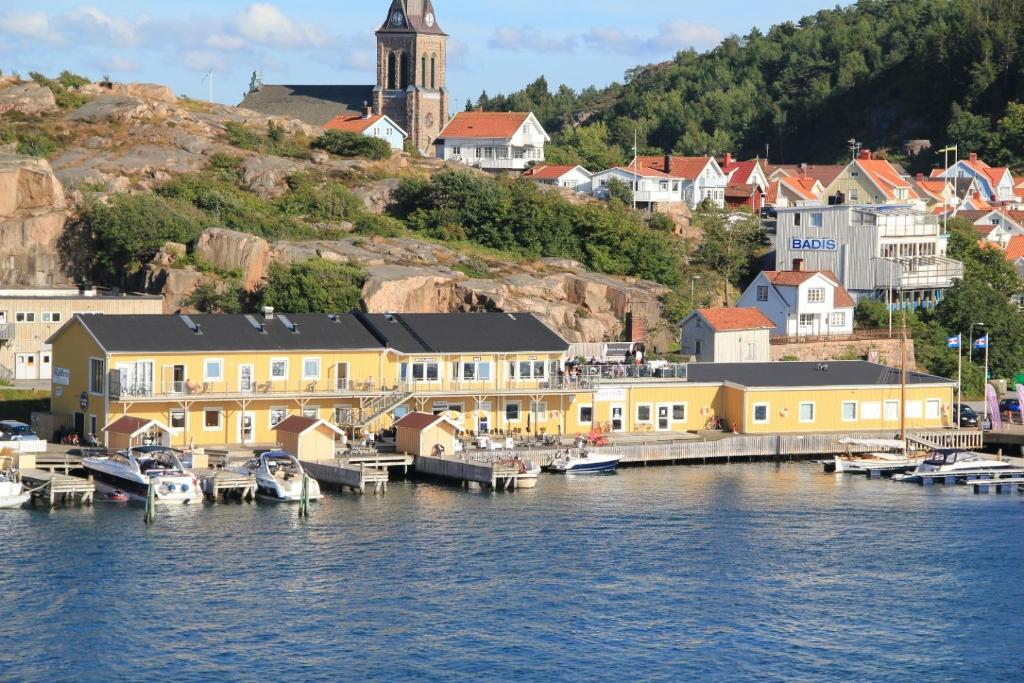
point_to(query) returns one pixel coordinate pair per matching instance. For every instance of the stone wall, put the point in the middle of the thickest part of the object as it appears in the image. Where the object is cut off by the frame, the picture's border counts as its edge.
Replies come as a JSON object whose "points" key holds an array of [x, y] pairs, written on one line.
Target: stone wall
{"points": [[888, 351]]}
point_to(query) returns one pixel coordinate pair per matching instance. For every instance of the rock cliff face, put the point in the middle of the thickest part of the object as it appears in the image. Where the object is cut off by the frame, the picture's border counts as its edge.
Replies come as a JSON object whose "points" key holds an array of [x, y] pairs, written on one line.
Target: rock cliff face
{"points": [[33, 212]]}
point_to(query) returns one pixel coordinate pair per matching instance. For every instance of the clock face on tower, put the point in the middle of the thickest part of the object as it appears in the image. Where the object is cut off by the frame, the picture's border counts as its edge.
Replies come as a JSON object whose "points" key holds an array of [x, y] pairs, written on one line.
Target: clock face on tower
{"points": [[397, 19], [430, 19], [430, 121]]}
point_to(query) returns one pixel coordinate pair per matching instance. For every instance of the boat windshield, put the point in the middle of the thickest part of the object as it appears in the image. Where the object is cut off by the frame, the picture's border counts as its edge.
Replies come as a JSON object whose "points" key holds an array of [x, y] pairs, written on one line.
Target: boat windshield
{"points": [[150, 460]]}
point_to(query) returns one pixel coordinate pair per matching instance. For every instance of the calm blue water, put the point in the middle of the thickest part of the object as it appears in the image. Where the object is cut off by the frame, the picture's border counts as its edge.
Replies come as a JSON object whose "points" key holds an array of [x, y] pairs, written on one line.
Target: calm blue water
{"points": [[745, 572]]}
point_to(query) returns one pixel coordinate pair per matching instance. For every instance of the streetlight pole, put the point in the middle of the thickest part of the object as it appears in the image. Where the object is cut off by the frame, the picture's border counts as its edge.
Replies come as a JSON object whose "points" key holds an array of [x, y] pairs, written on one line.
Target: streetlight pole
{"points": [[693, 282]]}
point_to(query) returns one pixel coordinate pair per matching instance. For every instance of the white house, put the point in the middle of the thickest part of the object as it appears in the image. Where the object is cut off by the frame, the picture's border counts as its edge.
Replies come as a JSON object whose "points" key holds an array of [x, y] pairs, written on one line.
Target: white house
{"points": [[995, 226], [493, 141], [370, 125], [569, 177], [997, 184], [726, 335], [801, 303], [668, 180]]}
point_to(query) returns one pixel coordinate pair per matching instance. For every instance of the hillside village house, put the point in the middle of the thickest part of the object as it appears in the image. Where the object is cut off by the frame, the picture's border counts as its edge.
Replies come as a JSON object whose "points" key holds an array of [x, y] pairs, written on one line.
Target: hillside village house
{"points": [[493, 141], [874, 251], [786, 191], [667, 181], [801, 303], [996, 184], [230, 380], [825, 174], [938, 194], [726, 335], [574, 178], [372, 126], [747, 183], [30, 316], [996, 227], [867, 180]]}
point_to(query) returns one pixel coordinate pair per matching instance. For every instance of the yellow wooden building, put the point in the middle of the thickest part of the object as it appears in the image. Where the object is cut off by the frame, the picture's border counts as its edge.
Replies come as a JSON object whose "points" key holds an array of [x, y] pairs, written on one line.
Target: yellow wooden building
{"points": [[229, 380]]}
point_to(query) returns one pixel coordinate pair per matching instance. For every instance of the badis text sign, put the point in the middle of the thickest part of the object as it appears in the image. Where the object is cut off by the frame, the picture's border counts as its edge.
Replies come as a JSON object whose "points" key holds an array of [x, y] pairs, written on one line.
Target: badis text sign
{"points": [[816, 244]]}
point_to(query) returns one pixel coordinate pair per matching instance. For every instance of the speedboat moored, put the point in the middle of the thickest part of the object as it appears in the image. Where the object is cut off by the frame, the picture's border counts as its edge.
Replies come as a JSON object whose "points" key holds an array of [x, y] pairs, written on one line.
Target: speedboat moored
{"points": [[585, 462], [132, 472], [278, 476], [956, 463], [12, 494]]}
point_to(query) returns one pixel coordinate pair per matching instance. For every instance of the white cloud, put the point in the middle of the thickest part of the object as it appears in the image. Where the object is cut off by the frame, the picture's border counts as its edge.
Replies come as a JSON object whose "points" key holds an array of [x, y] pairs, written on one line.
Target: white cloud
{"points": [[265, 24], [221, 41], [89, 24], [522, 39], [203, 60], [118, 63], [35, 25], [671, 37]]}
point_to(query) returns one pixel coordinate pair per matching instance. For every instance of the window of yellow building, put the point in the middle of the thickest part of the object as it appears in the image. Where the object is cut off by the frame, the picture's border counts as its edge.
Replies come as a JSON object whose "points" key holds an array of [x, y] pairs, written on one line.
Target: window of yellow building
{"points": [[212, 419], [849, 411], [97, 371], [807, 412], [761, 413], [586, 414]]}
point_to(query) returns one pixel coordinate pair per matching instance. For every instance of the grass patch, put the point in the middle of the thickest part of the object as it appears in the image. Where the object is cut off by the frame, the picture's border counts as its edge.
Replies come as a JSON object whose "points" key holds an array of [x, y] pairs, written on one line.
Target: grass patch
{"points": [[274, 141], [64, 88], [474, 268]]}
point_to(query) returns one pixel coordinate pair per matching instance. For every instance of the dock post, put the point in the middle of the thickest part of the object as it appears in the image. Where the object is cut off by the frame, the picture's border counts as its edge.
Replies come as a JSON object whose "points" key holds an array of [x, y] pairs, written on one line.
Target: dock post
{"points": [[304, 499], [150, 515], [949, 481]]}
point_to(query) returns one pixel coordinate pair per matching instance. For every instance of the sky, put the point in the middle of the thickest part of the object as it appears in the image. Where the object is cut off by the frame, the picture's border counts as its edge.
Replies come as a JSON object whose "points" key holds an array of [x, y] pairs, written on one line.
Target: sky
{"points": [[495, 45]]}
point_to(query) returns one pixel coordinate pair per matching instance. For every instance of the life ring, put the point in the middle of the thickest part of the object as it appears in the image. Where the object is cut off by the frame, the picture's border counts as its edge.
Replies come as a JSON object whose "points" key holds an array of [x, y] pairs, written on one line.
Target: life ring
{"points": [[556, 414], [784, 412], [705, 411]]}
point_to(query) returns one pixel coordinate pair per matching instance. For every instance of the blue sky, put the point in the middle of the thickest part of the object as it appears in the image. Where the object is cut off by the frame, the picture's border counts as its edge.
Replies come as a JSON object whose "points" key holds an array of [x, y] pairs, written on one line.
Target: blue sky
{"points": [[496, 45]]}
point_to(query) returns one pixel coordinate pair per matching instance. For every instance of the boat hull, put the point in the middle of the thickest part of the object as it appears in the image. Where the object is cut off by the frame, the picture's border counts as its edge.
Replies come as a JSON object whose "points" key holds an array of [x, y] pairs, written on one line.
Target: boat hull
{"points": [[280, 494], [585, 465], [12, 502], [171, 490]]}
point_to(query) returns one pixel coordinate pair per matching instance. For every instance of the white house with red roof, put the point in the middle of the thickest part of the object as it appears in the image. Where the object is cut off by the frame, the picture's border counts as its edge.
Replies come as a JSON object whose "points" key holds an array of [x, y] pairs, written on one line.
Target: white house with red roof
{"points": [[993, 225], [493, 141], [867, 180], [750, 172], [371, 125], [801, 302], [997, 183], [726, 335], [569, 177], [668, 180]]}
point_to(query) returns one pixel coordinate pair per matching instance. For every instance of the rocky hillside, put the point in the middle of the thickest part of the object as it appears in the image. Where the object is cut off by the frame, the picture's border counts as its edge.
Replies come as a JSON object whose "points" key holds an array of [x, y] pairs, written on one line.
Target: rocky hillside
{"points": [[115, 139]]}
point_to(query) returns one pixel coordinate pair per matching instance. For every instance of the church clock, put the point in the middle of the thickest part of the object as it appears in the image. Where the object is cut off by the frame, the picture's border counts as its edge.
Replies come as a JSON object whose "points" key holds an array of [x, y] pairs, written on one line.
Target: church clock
{"points": [[397, 19], [430, 19]]}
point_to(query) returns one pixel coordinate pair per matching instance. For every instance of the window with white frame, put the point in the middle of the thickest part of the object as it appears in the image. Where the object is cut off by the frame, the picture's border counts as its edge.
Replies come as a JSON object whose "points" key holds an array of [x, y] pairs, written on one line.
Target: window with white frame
{"points": [[854, 195], [474, 371], [419, 371], [528, 369], [816, 295], [643, 413], [512, 410], [213, 370], [456, 151], [279, 368], [892, 411], [807, 412], [539, 409], [817, 220], [51, 316], [762, 293], [796, 219], [310, 368], [212, 418], [915, 409], [679, 412], [761, 413], [586, 414], [870, 410], [25, 317], [849, 411], [311, 413], [277, 416], [97, 375], [932, 409], [177, 419], [838, 320], [519, 153], [806, 319]]}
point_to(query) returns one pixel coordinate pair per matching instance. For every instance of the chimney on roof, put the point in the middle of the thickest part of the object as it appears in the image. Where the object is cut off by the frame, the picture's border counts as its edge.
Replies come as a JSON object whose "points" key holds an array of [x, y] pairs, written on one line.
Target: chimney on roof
{"points": [[668, 163], [919, 177], [727, 161], [268, 312], [866, 155], [974, 156], [367, 110], [798, 265], [479, 110]]}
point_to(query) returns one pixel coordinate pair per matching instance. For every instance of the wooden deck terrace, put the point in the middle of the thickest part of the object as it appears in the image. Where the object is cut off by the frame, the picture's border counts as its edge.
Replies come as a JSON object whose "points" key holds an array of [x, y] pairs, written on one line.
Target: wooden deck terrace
{"points": [[53, 488], [487, 473]]}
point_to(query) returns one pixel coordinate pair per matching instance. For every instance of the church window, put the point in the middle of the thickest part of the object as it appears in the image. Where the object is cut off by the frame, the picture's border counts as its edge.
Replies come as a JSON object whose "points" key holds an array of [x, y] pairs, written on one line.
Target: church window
{"points": [[423, 71], [392, 72], [433, 72], [403, 76]]}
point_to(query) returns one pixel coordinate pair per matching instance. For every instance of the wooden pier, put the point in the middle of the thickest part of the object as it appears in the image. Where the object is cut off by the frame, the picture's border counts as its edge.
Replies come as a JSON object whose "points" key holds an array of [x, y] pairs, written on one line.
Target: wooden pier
{"points": [[343, 474], [54, 488], [999, 485], [221, 484], [487, 473]]}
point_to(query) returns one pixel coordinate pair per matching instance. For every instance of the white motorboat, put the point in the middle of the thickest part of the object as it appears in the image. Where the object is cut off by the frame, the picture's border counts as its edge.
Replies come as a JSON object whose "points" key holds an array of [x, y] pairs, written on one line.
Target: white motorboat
{"points": [[585, 461], [278, 476], [957, 463], [886, 455], [529, 472], [134, 470], [12, 494]]}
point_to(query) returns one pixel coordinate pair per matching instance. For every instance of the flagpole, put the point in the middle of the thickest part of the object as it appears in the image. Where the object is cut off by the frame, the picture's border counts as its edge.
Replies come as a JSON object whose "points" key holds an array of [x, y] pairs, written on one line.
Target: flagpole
{"points": [[959, 378], [988, 343]]}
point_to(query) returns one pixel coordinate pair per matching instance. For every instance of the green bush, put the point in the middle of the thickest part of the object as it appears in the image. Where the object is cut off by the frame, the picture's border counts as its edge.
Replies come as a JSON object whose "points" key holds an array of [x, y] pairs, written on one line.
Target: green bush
{"points": [[38, 144], [346, 144], [315, 286], [212, 298], [64, 88], [474, 268], [275, 141], [382, 226], [318, 200]]}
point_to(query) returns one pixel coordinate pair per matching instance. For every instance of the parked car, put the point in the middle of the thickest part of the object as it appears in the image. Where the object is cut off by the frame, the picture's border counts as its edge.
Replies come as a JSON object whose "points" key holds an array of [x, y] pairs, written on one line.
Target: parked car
{"points": [[1009, 408], [968, 416], [12, 430]]}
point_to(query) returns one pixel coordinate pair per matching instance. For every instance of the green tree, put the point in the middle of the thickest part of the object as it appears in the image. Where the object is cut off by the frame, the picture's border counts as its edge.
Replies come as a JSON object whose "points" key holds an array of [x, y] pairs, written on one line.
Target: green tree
{"points": [[346, 144], [314, 286], [729, 246], [620, 190], [210, 297], [985, 265]]}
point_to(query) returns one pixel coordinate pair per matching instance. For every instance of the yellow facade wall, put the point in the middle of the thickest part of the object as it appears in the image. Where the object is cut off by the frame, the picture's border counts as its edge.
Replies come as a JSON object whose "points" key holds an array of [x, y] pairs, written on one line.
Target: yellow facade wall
{"points": [[72, 352]]}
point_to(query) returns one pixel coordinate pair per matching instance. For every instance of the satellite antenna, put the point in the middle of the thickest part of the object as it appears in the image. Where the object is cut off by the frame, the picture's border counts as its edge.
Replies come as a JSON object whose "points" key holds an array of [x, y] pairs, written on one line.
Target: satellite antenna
{"points": [[209, 76]]}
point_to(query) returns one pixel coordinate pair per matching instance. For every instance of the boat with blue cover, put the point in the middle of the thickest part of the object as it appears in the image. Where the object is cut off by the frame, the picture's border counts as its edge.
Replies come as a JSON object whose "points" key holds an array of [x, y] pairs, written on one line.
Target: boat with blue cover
{"points": [[584, 462]]}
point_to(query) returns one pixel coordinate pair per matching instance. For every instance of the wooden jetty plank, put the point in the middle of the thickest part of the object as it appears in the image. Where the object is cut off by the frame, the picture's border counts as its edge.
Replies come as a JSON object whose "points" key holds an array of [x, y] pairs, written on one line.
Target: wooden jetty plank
{"points": [[484, 469], [57, 488], [223, 483], [344, 474]]}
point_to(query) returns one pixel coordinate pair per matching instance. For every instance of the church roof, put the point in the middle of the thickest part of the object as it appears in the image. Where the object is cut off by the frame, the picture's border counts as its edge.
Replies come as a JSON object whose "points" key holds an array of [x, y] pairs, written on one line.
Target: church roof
{"points": [[313, 104], [414, 15]]}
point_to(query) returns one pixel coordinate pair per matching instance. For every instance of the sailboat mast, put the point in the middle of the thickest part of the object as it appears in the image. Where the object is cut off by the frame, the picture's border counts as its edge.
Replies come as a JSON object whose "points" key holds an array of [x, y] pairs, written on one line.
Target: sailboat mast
{"points": [[903, 376]]}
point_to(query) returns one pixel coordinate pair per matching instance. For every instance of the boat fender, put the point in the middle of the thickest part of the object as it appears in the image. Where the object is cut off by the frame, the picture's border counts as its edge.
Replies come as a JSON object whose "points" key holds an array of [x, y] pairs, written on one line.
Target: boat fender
{"points": [[184, 488], [171, 488]]}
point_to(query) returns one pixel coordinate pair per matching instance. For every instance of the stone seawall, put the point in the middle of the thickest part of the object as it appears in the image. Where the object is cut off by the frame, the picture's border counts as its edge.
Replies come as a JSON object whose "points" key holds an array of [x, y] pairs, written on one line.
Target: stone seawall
{"points": [[887, 350]]}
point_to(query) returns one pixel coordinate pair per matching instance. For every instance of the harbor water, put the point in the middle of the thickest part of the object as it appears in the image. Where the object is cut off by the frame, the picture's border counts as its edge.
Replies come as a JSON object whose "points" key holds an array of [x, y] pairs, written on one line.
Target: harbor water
{"points": [[727, 573]]}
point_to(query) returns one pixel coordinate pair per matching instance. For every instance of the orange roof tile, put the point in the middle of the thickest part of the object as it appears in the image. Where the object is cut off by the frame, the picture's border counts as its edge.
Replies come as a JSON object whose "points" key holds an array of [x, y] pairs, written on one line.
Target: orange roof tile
{"points": [[688, 168], [352, 124], [886, 178], [735, 319], [1015, 248], [771, 195], [795, 278], [545, 172], [802, 187], [825, 173], [484, 124]]}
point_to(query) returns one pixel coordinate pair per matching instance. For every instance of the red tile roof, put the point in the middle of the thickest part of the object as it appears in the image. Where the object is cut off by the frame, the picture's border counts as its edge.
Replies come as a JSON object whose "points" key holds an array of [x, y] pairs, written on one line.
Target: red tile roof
{"points": [[484, 124], [740, 191], [352, 124], [295, 424], [994, 174], [934, 188], [688, 168], [826, 174], [127, 424], [743, 170], [1015, 248], [795, 278], [735, 319], [801, 187], [771, 195], [984, 230], [545, 172], [419, 421], [883, 175]]}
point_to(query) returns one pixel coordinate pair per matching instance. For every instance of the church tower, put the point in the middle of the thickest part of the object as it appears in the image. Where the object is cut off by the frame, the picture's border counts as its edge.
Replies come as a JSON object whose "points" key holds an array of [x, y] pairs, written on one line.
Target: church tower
{"points": [[411, 71]]}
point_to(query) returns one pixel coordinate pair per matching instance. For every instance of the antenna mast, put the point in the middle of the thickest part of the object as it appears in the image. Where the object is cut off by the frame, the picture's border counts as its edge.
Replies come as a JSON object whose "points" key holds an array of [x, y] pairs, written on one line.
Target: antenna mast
{"points": [[209, 76]]}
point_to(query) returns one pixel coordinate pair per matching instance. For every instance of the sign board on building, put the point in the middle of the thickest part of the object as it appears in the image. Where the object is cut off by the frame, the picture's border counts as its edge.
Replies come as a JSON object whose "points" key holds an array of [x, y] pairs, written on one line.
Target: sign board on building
{"points": [[813, 244], [617, 394], [62, 376]]}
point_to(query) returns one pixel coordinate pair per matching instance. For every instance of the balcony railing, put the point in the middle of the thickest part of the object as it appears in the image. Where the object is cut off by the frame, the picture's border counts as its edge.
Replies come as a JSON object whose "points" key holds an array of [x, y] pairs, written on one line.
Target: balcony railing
{"points": [[621, 372], [6, 331]]}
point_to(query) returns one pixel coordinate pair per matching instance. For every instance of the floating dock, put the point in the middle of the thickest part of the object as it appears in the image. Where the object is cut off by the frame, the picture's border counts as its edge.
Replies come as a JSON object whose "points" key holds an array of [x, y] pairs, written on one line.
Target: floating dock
{"points": [[54, 488], [467, 471], [998, 485], [221, 484], [344, 474]]}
